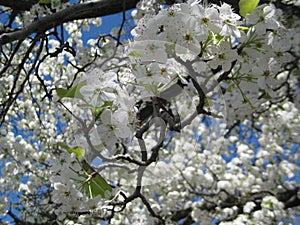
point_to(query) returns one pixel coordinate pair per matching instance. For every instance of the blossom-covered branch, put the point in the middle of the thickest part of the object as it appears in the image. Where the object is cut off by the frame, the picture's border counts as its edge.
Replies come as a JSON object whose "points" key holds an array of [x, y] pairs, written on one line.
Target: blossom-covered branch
{"points": [[71, 13]]}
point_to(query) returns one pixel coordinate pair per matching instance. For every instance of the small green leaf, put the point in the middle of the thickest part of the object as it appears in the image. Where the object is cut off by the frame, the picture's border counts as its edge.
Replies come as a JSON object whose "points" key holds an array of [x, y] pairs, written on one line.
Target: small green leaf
{"points": [[247, 6], [71, 93], [297, 72], [269, 204], [135, 54], [281, 107], [244, 28], [266, 95], [79, 151], [94, 184], [42, 158], [99, 110], [206, 102], [45, 1]]}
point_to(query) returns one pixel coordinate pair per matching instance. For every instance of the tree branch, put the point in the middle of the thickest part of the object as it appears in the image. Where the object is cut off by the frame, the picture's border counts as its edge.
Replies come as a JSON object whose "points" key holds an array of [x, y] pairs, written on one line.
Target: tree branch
{"points": [[74, 12], [20, 5]]}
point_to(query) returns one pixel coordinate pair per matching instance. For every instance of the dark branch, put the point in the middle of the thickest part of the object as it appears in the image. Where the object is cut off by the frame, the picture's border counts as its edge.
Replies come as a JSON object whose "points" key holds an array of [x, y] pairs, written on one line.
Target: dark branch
{"points": [[19, 5], [74, 12]]}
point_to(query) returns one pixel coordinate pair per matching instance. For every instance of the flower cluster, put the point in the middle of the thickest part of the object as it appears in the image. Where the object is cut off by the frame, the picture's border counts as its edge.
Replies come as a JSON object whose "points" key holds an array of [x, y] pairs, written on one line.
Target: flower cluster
{"points": [[195, 120], [250, 52]]}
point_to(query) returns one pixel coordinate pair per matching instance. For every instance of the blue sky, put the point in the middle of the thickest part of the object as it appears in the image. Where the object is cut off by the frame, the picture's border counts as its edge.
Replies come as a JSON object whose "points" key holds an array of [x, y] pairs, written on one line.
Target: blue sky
{"points": [[108, 22]]}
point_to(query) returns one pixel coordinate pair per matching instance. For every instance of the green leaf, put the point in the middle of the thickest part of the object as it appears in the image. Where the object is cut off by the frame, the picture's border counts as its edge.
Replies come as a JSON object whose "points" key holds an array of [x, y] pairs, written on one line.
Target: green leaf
{"points": [[281, 107], [94, 184], [45, 1], [79, 151], [247, 6], [99, 110], [42, 158], [297, 72], [206, 102], [269, 204], [71, 93], [267, 96], [135, 54]]}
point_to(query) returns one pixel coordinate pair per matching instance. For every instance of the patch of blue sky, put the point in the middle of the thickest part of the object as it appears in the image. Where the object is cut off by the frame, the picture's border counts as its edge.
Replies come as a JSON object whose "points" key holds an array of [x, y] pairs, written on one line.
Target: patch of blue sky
{"points": [[60, 125], [229, 157], [3, 16], [108, 23], [207, 121], [297, 177], [20, 131], [14, 205]]}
